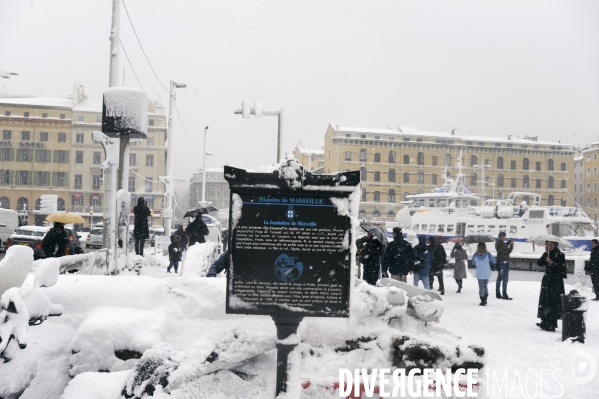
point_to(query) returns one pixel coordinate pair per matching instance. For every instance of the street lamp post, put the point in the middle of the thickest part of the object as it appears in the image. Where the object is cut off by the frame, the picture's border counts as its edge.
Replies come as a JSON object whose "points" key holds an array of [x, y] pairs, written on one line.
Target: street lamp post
{"points": [[168, 179], [204, 169], [246, 110]]}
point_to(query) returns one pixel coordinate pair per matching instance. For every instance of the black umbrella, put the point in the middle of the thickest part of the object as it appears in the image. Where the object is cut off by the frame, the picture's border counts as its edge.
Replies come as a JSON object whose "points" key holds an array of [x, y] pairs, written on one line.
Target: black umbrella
{"points": [[376, 232], [202, 210], [476, 238]]}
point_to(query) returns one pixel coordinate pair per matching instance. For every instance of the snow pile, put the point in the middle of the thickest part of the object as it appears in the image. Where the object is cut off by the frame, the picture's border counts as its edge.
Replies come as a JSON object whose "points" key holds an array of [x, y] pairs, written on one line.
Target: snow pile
{"points": [[96, 385], [15, 266], [425, 308], [236, 210], [198, 259], [14, 320], [292, 172], [113, 338], [46, 274], [370, 304]]}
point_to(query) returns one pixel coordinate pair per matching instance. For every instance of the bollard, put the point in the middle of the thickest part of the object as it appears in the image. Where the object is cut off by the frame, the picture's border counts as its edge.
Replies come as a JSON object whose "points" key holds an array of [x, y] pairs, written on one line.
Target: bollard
{"points": [[573, 308]]}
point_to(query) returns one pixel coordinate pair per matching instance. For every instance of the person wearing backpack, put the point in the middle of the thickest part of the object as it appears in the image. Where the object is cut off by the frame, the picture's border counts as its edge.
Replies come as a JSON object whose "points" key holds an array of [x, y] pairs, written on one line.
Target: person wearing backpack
{"points": [[459, 268], [437, 265], [482, 259], [397, 261], [422, 262]]}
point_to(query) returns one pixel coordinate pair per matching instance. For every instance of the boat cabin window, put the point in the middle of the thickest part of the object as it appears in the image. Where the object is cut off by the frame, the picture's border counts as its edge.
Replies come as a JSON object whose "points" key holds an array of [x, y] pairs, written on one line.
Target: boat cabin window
{"points": [[431, 203], [424, 227], [491, 229], [513, 229], [462, 203], [431, 228], [470, 229], [538, 214], [416, 226], [441, 228], [480, 229], [450, 228], [503, 228], [442, 203], [417, 203]]}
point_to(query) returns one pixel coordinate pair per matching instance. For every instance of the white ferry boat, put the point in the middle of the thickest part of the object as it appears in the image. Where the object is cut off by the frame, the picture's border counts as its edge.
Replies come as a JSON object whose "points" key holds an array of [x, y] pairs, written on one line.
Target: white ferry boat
{"points": [[452, 211]]}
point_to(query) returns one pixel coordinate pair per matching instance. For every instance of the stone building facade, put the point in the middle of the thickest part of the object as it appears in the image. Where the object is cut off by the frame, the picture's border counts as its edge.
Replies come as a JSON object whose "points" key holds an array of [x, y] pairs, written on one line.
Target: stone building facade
{"points": [[590, 167], [311, 159], [395, 163], [217, 188]]}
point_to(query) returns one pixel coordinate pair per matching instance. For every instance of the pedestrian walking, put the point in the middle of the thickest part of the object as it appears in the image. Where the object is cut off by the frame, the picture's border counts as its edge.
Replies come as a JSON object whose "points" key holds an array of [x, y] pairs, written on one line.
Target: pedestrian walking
{"points": [[459, 268], [552, 286], [437, 265], [196, 231], [182, 238], [370, 257], [398, 258], [482, 259], [55, 241], [140, 225], [592, 266], [174, 254], [421, 265], [503, 264]]}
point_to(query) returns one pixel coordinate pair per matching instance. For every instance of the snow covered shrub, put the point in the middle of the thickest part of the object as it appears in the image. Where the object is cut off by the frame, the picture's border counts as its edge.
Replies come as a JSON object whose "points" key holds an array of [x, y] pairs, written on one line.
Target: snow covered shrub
{"points": [[14, 322], [38, 304], [15, 267]]}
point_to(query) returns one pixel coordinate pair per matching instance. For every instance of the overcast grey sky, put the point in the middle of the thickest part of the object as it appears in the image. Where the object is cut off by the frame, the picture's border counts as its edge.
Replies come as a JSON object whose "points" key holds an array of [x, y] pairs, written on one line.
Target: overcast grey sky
{"points": [[491, 68]]}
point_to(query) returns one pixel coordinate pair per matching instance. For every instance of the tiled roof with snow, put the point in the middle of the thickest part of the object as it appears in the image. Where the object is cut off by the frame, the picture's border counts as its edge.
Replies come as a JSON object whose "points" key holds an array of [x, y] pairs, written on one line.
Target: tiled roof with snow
{"points": [[307, 151]]}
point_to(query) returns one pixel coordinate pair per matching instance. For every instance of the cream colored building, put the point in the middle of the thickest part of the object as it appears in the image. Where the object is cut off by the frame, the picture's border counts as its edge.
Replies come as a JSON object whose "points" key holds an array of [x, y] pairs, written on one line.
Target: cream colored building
{"points": [[395, 163], [590, 168], [217, 188], [63, 158], [310, 158]]}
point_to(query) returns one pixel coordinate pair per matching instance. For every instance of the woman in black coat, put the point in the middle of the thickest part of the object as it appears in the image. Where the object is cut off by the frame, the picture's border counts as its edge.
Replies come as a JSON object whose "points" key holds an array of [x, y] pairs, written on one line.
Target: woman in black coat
{"points": [[370, 257], [140, 229], [552, 286]]}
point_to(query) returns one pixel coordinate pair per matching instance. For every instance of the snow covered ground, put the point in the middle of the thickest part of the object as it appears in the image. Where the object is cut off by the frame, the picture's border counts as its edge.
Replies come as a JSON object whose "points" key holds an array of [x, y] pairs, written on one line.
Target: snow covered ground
{"points": [[179, 321]]}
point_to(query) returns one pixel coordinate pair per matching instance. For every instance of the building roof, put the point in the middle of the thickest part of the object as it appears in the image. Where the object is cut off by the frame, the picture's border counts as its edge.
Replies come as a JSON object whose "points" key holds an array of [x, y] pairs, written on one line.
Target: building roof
{"points": [[307, 151], [57, 102], [412, 131]]}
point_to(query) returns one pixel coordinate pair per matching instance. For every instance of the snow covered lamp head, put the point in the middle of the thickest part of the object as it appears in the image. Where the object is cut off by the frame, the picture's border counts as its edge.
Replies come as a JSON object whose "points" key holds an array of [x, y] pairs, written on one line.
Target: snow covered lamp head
{"points": [[125, 113]]}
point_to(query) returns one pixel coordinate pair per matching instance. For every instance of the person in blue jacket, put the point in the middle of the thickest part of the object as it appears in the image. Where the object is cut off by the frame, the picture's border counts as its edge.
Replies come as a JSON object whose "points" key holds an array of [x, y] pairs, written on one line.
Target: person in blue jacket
{"points": [[219, 265], [423, 258], [482, 259]]}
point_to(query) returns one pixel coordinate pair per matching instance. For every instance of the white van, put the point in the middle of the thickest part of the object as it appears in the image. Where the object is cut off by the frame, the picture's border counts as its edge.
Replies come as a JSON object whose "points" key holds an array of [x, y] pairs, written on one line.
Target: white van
{"points": [[9, 222]]}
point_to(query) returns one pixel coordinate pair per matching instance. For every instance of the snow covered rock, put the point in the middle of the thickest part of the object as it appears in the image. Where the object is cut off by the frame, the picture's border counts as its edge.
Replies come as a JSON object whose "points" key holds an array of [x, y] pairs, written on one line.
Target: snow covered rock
{"points": [[198, 259], [113, 338], [425, 308], [15, 267], [369, 303], [14, 322], [96, 386]]}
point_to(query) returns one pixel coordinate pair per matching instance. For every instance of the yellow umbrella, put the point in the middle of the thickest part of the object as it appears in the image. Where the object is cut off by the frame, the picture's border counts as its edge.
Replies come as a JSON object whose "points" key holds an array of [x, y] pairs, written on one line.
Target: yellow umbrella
{"points": [[65, 217]]}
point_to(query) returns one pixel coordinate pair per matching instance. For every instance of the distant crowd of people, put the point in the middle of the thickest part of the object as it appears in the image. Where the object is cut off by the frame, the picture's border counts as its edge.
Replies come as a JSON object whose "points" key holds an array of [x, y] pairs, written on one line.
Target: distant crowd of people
{"points": [[427, 259]]}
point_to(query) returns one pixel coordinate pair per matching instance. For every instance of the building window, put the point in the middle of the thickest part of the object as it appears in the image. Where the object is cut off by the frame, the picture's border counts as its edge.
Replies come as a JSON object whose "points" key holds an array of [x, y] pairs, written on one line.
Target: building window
{"points": [[538, 184], [25, 155], [595, 187], [63, 116], [6, 134], [473, 160], [525, 181], [473, 179], [23, 177], [406, 177], [98, 119], [25, 136], [406, 159], [80, 118], [363, 173], [97, 160], [96, 200], [392, 175], [377, 157], [563, 183], [62, 137], [420, 158], [44, 156], [150, 142], [563, 202], [550, 164], [513, 182], [42, 178], [78, 156], [7, 113], [377, 196], [131, 184], [537, 166], [26, 114], [550, 182], [151, 122], [500, 180], [362, 155], [364, 194], [392, 157], [77, 199], [434, 161], [43, 136], [595, 171], [148, 184], [96, 182], [5, 177], [447, 159], [513, 165], [434, 179], [80, 137], [420, 177], [60, 179], [362, 136], [377, 176], [6, 154], [150, 160], [348, 155], [132, 159], [61, 156], [391, 196], [78, 181], [563, 166], [550, 200], [525, 164], [22, 203]]}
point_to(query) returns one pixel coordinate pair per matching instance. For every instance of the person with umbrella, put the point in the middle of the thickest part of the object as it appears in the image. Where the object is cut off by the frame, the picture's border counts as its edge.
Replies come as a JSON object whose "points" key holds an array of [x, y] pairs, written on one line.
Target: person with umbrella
{"points": [[140, 225], [55, 241], [370, 257], [552, 286], [397, 260], [438, 263], [482, 259], [196, 231], [503, 263]]}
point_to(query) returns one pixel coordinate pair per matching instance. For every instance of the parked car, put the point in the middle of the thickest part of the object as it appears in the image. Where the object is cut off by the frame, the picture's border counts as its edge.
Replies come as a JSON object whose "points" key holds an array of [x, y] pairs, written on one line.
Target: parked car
{"points": [[155, 231], [74, 241], [9, 221], [94, 238], [30, 236]]}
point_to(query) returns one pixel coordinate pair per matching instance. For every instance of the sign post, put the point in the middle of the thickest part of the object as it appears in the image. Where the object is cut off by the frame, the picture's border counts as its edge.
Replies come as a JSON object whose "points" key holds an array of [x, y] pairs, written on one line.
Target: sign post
{"points": [[290, 248]]}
